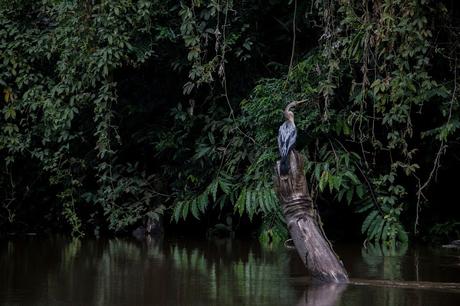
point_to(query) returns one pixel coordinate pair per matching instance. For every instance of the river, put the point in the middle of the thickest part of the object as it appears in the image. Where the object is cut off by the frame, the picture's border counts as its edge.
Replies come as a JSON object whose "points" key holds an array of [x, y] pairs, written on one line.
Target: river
{"points": [[184, 271]]}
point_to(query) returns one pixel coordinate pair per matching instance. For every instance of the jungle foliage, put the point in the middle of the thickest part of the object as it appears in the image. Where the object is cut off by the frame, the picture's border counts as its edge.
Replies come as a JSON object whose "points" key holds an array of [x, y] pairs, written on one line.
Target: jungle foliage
{"points": [[118, 111]]}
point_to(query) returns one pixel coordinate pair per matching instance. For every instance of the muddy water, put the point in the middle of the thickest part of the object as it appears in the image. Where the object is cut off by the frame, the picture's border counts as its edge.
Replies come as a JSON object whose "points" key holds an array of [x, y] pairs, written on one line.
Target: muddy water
{"points": [[180, 271]]}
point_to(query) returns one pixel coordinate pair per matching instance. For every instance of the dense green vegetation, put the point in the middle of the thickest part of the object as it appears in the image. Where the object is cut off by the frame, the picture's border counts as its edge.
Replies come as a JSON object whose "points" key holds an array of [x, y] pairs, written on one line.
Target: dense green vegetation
{"points": [[113, 112]]}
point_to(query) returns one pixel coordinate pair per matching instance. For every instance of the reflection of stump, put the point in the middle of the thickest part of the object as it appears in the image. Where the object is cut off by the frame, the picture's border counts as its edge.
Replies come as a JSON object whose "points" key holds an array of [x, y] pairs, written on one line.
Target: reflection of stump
{"points": [[312, 246], [322, 295]]}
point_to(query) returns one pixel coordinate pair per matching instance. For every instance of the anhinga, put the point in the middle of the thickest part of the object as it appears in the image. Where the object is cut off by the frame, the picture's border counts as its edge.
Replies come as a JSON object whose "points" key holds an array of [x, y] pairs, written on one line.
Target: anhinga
{"points": [[287, 136]]}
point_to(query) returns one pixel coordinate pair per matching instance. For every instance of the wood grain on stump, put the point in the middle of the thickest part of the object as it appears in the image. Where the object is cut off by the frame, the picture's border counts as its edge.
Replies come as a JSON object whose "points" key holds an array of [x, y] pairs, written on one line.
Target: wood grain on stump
{"points": [[309, 240]]}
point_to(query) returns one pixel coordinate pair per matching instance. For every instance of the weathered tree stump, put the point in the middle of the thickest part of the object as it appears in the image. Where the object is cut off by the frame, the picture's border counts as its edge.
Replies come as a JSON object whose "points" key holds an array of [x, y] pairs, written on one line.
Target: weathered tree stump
{"points": [[301, 218]]}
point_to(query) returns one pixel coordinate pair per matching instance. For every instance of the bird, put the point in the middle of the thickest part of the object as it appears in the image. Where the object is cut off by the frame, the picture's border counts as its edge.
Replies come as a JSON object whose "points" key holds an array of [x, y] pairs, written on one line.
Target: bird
{"points": [[287, 136]]}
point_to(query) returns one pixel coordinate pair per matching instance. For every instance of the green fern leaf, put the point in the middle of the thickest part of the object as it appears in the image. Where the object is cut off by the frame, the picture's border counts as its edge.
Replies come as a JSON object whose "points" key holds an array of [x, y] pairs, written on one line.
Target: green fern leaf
{"points": [[273, 202], [177, 211], [225, 185], [249, 203], [202, 202], [375, 230], [185, 208], [385, 232], [317, 171], [349, 195], [241, 202], [213, 189], [360, 191], [340, 194], [402, 234], [195, 209], [262, 195], [365, 207], [368, 220]]}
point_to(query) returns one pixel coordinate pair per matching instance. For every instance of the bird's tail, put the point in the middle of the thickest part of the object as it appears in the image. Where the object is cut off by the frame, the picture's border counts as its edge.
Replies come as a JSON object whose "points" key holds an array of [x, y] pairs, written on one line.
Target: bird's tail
{"points": [[284, 165]]}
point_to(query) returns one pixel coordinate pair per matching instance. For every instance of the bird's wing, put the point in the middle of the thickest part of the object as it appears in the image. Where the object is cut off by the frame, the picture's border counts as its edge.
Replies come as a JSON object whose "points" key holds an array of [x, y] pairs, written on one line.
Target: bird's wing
{"points": [[291, 131], [286, 145], [282, 139], [287, 136]]}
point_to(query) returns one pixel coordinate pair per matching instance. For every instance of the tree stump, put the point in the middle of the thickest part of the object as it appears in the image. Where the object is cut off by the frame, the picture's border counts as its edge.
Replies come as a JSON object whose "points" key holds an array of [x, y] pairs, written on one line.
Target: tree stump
{"points": [[301, 217]]}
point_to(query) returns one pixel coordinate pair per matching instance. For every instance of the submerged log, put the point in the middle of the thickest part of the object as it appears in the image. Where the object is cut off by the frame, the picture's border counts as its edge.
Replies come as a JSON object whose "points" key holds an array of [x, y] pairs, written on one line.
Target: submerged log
{"points": [[453, 245], [302, 220]]}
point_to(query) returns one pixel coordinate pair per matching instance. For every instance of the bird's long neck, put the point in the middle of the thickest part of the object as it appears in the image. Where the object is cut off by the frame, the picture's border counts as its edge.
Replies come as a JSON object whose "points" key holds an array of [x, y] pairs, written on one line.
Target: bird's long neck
{"points": [[289, 116], [288, 107]]}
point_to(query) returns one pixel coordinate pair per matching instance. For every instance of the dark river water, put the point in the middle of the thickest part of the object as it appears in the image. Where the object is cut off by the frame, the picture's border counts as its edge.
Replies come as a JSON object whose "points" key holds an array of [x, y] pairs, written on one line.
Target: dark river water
{"points": [[181, 271]]}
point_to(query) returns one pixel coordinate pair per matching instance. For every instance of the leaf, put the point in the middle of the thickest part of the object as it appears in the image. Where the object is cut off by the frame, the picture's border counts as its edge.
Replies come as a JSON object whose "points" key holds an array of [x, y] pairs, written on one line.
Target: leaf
{"points": [[249, 203], [377, 231], [270, 201], [352, 177], [262, 195], [365, 207], [201, 151], [185, 208], [177, 211], [213, 189], [331, 182], [202, 202], [317, 171], [10, 113], [225, 185], [323, 180], [385, 231], [340, 194], [360, 191], [402, 234], [240, 203], [194, 209], [368, 220], [8, 94], [349, 195]]}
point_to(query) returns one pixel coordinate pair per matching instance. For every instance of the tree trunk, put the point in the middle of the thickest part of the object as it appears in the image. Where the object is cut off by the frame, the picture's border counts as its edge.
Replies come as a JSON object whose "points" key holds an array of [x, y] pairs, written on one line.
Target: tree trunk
{"points": [[301, 217]]}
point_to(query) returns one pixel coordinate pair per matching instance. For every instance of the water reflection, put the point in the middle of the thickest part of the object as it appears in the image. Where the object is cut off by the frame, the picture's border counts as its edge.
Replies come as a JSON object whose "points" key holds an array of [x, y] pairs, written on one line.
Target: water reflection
{"points": [[59, 271], [322, 295], [128, 272], [384, 258]]}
